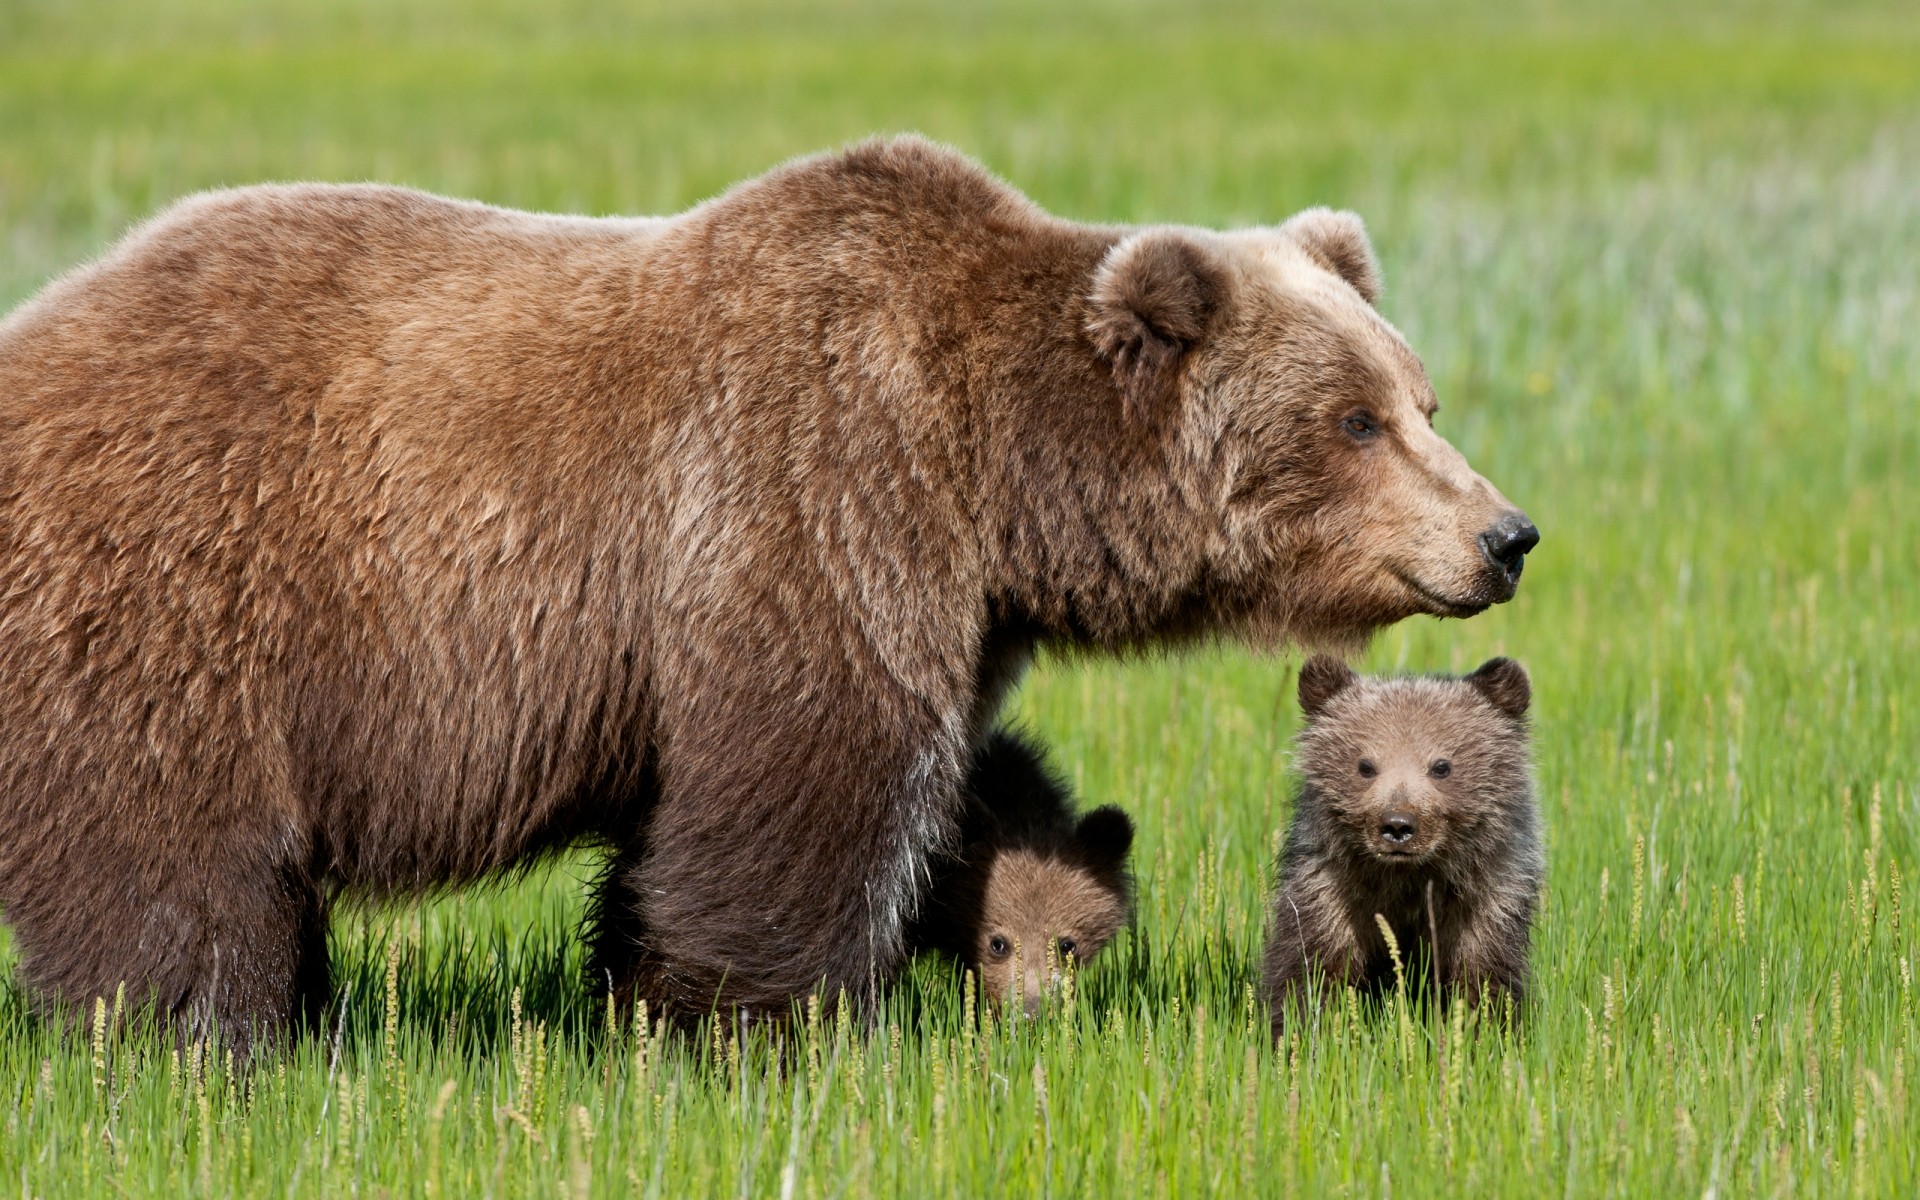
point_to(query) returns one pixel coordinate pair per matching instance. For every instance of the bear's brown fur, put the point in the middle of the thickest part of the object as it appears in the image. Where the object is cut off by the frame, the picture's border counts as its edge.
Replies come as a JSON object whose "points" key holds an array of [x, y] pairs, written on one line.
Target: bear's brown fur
{"points": [[1417, 807], [354, 539], [1032, 883]]}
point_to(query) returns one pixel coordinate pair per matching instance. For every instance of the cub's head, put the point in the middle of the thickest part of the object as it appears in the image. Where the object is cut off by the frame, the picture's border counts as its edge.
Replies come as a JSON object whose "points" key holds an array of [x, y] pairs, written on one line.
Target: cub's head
{"points": [[1305, 426], [1412, 771], [1042, 905]]}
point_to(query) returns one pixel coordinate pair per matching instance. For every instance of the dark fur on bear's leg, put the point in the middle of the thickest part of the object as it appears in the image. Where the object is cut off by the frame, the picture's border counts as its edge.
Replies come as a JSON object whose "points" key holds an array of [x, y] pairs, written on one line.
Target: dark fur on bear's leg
{"points": [[788, 844], [1417, 809], [246, 965]]}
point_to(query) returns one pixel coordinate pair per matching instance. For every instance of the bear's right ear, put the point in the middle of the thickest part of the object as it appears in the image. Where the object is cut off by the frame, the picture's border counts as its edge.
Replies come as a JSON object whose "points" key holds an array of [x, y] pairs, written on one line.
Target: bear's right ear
{"points": [[1505, 684], [1105, 834], [1322, 677], [1153, 298]]}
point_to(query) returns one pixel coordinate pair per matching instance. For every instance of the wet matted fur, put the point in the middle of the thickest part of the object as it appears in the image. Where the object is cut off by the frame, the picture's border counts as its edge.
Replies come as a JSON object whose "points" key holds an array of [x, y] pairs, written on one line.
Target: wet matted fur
{"points": [[1416, 806], [358, 539]]}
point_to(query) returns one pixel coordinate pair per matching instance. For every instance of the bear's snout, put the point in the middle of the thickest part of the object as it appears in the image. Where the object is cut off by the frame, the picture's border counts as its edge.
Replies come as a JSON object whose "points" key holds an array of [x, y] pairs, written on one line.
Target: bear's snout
{"points": [[1038, 984], [1397, 829], [1506, 544], [1403, 826]]}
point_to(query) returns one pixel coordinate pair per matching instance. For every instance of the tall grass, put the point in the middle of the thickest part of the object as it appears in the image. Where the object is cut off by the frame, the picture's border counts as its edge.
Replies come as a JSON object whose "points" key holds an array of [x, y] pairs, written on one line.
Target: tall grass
{"points": [[1665, 272]]}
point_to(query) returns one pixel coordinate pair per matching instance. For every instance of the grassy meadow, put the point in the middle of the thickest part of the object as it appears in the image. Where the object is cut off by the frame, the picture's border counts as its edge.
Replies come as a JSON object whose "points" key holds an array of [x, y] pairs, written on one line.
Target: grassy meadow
{"points": [[1664, 267]]}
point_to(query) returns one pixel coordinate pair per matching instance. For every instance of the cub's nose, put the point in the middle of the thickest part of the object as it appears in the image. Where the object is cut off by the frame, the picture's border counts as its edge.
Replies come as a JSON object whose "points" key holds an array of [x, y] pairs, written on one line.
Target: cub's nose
{"points": [[1507, 543], [1397, 829]]}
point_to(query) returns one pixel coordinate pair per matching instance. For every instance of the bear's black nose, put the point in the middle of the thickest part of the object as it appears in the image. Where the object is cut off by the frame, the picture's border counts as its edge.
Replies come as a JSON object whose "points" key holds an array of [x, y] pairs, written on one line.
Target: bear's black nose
{"points": [[1507, 543], [1397, 829]]}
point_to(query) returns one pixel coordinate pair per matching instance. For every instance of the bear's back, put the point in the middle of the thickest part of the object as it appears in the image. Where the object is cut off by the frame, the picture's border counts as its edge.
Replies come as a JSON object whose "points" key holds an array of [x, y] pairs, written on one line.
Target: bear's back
{"points": [[267, 290]]}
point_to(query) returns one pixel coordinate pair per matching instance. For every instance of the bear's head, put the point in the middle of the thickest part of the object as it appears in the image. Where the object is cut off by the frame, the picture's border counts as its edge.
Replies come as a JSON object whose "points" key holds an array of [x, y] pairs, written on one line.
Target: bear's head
{"points": [[1302, 424], [1415, 771], [1042, 905]]}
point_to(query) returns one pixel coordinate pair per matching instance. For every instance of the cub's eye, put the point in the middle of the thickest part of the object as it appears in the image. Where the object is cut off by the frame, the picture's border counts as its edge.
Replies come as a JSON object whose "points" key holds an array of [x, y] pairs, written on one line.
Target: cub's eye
{"points": [[1367, 770], [1361, 426], [997, 946], [1066, 946], [1440, 769]]}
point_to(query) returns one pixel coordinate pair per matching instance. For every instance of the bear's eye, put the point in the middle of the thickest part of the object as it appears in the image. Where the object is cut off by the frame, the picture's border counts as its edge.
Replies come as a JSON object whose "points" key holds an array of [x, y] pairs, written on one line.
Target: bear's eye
{"points": [[1440, 769], [1066, 946], [997, 946], [1361, 426], [1367, 770]]}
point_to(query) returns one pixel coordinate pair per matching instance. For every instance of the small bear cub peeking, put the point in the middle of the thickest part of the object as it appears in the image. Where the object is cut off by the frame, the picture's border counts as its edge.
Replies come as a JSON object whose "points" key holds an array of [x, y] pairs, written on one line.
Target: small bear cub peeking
{"points": [[1416, 807], [1032, 884]]}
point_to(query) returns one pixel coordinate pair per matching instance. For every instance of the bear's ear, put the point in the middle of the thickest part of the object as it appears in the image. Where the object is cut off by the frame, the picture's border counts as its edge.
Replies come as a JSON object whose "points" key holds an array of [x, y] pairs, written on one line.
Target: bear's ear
{"points": [[1338, 241], [1322, 677], [1505, 684], [1105, 834], [1153, 298]]}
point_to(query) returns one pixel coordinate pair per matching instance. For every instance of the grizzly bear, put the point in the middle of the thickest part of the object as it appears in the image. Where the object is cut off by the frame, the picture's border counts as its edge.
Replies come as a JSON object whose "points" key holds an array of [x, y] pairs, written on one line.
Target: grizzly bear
{"points": [[359, 542], [1031, 885], [1416, 808]]}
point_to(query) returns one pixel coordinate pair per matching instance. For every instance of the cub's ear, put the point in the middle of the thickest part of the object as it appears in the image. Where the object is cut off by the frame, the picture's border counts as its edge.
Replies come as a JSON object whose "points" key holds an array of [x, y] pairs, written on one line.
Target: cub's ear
{"points": [[1154, 297], [1322, 677], [1505, 684], [1105, 834], [1338, 241]]}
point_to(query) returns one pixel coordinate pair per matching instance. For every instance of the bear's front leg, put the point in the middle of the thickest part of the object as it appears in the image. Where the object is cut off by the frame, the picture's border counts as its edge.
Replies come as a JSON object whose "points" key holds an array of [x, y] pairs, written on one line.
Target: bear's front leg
{"points": [[788, 851], [1309, 941], [1488, 962]]}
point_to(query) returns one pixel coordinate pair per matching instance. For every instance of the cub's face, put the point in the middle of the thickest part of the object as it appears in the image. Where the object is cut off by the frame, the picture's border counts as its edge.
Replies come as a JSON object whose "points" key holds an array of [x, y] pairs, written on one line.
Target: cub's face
{"points": [[1038, 912], [1041, 907], [1409, 769], [1342, 509]]}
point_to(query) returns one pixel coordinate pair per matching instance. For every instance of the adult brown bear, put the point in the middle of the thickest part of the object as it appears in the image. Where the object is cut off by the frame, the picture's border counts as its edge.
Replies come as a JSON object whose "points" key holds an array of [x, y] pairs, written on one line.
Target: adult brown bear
{"points": [[353, 539]]}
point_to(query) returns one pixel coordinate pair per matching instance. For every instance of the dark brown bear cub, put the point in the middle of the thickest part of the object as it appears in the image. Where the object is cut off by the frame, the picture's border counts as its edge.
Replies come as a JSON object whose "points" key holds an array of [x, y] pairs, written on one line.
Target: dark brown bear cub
{"points": [[1032, 883], [1417, 809]]}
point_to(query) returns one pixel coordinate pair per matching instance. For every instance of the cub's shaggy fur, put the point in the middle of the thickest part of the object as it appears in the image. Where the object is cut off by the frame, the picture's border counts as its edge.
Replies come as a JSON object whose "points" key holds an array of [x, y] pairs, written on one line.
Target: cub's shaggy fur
{"points": [[358, 540], [1032, 884], [1417, 807]]}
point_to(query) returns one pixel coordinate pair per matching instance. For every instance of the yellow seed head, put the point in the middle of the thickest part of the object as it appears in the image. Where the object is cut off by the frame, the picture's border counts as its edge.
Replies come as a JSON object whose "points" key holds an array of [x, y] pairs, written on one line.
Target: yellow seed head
{"points": [[1639, 881], [1393, 952], [100, 1044]]}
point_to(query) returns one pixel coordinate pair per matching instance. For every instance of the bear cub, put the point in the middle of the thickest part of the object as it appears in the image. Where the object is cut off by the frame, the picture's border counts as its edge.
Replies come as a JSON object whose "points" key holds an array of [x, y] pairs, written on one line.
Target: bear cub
{"points": [[1032, 883], [1416, 808]]}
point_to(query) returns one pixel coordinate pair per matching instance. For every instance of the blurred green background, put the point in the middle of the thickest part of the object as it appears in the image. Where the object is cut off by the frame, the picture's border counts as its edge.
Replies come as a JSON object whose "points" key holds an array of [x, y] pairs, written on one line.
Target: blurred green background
{"points": [[1663, 263], [1224, 112]]}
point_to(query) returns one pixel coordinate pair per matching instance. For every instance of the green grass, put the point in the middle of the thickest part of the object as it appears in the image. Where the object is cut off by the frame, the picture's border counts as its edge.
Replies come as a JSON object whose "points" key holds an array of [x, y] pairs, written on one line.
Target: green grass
{"points": [[1664, 266]]}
